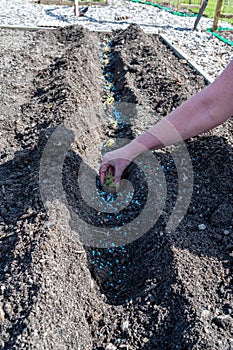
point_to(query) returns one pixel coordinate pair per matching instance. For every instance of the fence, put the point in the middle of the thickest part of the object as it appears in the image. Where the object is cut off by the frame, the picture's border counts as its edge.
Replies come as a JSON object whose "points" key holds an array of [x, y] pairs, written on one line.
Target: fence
{"points": [[181, 5], [219, 14], [178, 5]]}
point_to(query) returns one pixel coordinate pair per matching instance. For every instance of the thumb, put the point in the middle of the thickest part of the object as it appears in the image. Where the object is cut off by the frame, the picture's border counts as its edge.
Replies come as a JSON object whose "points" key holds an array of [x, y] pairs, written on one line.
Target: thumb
{"points": [[118, 174]]}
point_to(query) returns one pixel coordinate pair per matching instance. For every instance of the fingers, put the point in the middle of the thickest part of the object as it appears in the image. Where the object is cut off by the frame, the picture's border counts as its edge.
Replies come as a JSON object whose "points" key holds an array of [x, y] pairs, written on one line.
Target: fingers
{"points": [[118, 174], [105, 169], [102, 176], [103, 172], [110, 164]]}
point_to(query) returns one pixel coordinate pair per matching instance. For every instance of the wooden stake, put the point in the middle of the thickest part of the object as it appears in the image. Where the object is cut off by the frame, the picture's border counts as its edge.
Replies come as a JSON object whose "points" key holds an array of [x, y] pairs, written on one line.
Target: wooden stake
{"points": [[217, 15], [178, 5], [76, 11]]}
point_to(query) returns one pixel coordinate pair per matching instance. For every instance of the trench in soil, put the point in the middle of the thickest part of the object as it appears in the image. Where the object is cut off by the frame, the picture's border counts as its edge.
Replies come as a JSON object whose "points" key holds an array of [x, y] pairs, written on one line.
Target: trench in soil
{"points": [[115, 269], [147, 294]]}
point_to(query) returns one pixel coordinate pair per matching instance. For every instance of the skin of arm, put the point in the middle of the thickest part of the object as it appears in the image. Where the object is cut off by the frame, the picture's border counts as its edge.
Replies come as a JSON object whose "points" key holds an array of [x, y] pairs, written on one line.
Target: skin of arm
{"points": [[202, 112]]}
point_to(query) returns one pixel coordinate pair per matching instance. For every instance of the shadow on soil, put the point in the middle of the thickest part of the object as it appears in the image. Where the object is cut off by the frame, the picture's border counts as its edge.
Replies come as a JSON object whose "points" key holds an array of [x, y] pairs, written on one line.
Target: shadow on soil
{"points": [[144, 272]]}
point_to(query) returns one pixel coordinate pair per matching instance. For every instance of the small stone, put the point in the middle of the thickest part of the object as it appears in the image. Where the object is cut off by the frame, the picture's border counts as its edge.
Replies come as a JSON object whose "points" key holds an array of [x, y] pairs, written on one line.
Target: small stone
{"points": [[2, 344], [125, 326], [110, 346], [2, 314], [145, 340], [205, 314], [201, 227], [30, 281], [8, 309], [2, 289], [49, 224]]}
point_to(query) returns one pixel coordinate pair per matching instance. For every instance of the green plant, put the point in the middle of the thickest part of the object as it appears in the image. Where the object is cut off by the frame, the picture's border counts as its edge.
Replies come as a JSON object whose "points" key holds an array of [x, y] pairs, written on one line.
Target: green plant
{"points": [[109, 180], [109, 184]]}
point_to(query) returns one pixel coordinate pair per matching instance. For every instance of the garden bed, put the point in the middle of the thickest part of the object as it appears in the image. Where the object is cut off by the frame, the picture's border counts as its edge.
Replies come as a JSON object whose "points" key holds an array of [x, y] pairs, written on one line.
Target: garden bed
{"points": [[224, 34], [161, 291]]}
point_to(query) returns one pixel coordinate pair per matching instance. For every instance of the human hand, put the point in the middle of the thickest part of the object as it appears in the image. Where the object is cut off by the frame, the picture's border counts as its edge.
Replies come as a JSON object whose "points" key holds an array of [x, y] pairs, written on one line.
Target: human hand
{"points": [[114, 163]]}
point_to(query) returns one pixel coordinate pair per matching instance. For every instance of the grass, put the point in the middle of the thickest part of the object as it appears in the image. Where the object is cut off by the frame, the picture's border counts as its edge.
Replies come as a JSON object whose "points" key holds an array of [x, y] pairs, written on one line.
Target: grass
{"points": [[210, 9]]}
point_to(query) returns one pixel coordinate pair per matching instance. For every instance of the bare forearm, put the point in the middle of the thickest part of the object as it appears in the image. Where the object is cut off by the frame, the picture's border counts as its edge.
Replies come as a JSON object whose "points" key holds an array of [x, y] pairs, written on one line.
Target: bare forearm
{"points": [[193, 117], [205, 110], [202, 112]]}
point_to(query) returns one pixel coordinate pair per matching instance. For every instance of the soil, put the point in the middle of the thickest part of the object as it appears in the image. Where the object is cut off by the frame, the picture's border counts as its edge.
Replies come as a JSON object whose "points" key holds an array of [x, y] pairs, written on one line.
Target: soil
{"points": [[226, 34], [161, 291]]}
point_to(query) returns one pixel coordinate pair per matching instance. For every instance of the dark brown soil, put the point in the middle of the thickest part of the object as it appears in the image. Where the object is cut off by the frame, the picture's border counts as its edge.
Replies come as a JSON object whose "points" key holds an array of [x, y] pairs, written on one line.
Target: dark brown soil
{"points": [[162, 291], [226, 34]]}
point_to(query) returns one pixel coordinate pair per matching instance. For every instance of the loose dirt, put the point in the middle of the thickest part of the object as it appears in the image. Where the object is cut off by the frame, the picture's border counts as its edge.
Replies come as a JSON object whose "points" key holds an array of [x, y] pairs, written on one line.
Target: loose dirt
{"points": [[161, 291], [226, 34]]}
